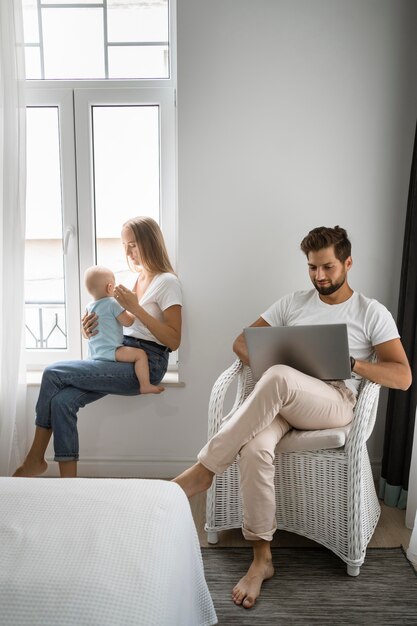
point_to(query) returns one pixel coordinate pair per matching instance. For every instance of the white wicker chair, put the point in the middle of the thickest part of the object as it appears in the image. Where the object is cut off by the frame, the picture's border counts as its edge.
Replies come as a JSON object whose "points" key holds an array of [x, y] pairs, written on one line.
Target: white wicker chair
{"points": [[327, 495]]}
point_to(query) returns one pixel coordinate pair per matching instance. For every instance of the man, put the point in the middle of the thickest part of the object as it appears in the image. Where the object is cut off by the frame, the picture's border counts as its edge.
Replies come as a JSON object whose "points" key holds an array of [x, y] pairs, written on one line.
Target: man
{"points": [[285, 398]]}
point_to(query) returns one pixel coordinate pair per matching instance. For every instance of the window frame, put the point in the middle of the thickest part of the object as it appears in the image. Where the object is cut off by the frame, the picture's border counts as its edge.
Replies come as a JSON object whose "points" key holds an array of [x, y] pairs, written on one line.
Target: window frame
{"points": [[74, 99], [62, 99], [85, 100], [38, 43]]}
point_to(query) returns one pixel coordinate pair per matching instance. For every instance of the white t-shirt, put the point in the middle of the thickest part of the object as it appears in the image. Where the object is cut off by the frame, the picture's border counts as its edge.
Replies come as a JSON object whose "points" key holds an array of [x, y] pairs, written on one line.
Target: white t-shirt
{"points": [[369, 322], [164, 291]]}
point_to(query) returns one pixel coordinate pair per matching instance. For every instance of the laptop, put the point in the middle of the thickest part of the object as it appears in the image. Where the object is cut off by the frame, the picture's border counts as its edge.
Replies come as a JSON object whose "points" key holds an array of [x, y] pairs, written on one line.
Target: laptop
{"points": [[321, 350]]}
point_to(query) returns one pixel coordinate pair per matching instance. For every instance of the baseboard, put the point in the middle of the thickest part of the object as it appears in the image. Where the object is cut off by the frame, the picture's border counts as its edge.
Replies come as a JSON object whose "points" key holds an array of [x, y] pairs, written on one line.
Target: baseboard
{"points": [[125, 468], [143, 467]]}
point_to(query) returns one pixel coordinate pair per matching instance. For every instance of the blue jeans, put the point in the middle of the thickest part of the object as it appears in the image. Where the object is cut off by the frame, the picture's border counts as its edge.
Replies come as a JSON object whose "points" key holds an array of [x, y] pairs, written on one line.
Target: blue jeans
{"points": [[69, 385]]}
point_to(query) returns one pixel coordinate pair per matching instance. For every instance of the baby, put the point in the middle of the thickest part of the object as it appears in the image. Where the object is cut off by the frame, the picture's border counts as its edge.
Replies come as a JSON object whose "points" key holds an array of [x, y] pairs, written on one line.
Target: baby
{"points": [[107, 345]]}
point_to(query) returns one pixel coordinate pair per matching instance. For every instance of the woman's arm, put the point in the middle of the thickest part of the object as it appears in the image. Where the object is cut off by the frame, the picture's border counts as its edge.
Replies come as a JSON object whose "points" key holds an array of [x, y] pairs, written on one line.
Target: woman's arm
{"points": [[239, 344], [168, 332], [392, 368]]}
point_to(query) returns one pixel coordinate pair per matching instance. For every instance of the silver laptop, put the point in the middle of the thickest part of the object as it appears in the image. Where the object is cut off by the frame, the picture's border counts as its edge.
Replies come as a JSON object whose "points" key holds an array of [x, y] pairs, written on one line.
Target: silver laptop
{"points": [[321, 350]]}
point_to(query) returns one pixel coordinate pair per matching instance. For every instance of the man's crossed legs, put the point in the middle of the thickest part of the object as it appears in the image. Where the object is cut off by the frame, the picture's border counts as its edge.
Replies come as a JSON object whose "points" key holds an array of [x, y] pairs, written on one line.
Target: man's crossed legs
{"points": [[283, 398]]}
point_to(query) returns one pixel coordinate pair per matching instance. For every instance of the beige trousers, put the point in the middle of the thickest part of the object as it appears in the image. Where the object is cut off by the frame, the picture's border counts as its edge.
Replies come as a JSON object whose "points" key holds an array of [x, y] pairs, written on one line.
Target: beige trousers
{"points": [[283, 398]]}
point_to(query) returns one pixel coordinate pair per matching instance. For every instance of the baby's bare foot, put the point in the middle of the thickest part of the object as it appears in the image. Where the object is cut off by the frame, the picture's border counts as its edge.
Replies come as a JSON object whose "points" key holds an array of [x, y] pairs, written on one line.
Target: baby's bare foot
{"points": [[31, 467], [248, 588], [151, 389], [195, 479]]}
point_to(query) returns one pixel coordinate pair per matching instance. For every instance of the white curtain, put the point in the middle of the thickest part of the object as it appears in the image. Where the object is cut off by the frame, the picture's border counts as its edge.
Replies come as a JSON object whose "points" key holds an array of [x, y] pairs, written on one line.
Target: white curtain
{"points": [[411, 516], [12, 235]]}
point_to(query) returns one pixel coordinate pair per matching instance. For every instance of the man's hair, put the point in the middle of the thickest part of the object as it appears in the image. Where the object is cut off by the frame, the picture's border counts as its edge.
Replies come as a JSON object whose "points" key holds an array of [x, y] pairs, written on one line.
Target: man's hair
{"points": [[324, 237]]}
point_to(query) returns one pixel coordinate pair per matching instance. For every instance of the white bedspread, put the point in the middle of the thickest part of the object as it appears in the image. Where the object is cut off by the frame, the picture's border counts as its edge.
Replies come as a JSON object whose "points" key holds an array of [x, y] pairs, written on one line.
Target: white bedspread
{"points": [[99, 552]]}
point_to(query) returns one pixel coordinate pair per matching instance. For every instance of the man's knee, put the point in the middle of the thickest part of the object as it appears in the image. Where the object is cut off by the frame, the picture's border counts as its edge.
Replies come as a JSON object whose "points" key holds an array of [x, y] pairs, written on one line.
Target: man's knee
{"points": [[257, 452], [282, 379], [281, 372]]}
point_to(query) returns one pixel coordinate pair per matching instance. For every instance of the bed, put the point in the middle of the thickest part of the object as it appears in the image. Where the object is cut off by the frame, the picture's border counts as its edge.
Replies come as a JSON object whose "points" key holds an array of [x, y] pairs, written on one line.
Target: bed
{"points": [[103, 552]]}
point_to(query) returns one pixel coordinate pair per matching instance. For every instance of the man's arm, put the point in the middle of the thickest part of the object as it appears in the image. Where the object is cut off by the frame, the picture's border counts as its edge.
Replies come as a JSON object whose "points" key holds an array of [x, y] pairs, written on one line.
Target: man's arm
{"points": [[239, 344], [392, 369]]}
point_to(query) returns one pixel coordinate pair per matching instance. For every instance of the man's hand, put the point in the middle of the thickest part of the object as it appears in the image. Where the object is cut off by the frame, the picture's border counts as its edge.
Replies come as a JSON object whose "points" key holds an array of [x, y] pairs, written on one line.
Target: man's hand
{"points": [[239, 345]]}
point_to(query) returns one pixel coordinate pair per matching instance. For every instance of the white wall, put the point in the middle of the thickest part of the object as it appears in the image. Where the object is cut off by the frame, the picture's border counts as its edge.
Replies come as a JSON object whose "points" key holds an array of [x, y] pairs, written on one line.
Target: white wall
{"points": [[291, 114]]}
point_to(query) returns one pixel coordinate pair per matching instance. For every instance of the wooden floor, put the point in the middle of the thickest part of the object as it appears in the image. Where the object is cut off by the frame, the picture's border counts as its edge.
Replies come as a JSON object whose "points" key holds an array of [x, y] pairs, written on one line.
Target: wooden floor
{"points": [[391, 531]]}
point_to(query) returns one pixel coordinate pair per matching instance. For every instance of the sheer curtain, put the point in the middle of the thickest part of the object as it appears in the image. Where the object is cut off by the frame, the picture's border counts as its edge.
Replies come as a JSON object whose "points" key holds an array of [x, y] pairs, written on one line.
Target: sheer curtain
{"points": [[12, 235]]}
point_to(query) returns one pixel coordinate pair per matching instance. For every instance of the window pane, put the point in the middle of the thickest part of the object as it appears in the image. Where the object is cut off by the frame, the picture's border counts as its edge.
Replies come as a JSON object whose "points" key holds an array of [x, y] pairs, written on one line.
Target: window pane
{"points": [[33, 63], [73, 43], [138, 61], [44, 275], [126, 174], [130, 20], [30, 21]]}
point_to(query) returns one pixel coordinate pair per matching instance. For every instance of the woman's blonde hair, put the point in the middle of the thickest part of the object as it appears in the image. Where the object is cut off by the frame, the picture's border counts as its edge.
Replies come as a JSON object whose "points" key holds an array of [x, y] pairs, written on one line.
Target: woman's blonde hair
{"points": [[151, 245]]}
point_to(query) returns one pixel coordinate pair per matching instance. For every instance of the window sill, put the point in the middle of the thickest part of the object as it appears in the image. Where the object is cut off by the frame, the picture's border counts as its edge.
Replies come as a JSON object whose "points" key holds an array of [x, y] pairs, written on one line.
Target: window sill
{"points": [[171, 379]]}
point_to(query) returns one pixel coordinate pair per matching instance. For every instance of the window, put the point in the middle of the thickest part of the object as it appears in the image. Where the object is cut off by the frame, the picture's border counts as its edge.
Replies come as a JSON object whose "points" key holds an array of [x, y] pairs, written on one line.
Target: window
{"points": [[44, 225], [67, 39], [99, 151]]}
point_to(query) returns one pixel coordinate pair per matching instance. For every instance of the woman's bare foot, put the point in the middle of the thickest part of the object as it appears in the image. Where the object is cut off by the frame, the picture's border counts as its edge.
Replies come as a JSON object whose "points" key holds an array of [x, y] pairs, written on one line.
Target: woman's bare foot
{"points": [[195, 479], [248, 588], [31, 467], [151, 389]]}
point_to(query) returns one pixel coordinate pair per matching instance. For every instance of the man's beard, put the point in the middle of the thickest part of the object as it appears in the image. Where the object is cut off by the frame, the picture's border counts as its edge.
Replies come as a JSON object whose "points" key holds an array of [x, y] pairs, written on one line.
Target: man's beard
{"points": [[329, 289]]}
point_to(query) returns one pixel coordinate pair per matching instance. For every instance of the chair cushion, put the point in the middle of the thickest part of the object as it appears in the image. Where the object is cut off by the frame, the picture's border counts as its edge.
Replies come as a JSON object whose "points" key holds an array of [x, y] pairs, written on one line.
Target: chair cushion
{"points": [[298, 440]]}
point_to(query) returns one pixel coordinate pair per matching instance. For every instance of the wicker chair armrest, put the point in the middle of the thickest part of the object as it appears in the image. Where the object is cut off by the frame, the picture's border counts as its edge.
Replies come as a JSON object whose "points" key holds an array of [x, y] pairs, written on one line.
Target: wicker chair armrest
{"points": [[216, 405], [364, 416]]}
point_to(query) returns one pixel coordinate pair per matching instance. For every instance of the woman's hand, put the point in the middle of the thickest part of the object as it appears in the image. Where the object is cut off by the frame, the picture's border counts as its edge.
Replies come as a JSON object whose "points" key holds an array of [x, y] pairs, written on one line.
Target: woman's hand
{"points": [[167, 332], [89, 323], [126, 298]]}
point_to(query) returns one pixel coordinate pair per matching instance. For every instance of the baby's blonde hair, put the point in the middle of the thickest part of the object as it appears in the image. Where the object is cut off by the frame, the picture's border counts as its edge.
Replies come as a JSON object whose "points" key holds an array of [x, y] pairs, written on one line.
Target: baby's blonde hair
{"points": [[96, 280]]}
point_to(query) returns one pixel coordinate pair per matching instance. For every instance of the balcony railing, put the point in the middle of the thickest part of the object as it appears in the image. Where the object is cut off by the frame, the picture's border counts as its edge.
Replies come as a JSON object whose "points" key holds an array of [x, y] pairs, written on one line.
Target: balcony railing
{"points": [[45, 323]]}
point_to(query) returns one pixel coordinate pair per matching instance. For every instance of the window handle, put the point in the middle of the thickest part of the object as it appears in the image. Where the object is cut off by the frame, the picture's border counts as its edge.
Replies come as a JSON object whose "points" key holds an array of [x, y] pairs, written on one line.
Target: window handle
{"points": [[68, 233]]}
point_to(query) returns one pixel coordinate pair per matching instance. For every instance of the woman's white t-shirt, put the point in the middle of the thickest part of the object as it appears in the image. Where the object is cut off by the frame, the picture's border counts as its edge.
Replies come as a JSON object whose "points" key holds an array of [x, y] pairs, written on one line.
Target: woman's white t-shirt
{"points": [[163, 291], [369, 322]]}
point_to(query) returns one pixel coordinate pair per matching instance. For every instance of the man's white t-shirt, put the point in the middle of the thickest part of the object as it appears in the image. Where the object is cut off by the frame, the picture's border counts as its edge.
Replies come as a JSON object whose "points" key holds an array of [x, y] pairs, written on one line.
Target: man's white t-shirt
{"points": [[369, 322], [164, 291]]}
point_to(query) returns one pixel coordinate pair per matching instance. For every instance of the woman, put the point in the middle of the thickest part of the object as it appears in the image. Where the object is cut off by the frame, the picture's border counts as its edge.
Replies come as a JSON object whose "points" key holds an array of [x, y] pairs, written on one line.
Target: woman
{"points": [[156, 302]]}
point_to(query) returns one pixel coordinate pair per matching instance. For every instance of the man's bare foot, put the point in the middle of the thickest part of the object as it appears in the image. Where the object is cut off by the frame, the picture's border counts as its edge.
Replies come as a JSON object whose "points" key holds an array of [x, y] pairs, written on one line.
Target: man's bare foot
{"points": [[195, 479], [151, 389], [248, 588], [31, 467]]}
